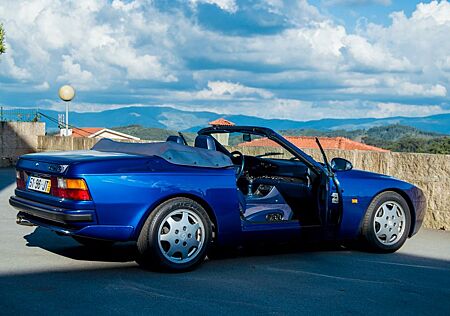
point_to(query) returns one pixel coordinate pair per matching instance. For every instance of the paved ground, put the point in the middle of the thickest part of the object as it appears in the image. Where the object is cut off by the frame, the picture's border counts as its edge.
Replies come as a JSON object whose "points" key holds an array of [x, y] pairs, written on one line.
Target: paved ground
{"points": [[41, 272]]}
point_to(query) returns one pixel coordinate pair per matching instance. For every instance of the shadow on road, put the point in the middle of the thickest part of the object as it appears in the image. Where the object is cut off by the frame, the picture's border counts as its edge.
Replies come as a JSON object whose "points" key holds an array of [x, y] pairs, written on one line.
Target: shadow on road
{"points": [[68, 247], [127, 252], [306, 282], [316, 279]]}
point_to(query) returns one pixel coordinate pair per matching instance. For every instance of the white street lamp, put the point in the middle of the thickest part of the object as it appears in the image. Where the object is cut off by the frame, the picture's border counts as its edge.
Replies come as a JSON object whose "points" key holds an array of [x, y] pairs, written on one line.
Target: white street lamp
{"points": [[67, 93]]}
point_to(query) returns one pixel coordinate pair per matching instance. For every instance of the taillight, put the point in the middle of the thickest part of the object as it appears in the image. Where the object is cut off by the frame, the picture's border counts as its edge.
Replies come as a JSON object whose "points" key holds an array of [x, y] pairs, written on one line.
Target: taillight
{"points": [[20, 179], [74, 189]]}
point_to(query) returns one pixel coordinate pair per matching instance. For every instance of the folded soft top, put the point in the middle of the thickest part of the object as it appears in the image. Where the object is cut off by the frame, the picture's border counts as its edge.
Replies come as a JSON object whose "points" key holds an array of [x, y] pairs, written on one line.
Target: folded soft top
{"points": [[169, 151]]}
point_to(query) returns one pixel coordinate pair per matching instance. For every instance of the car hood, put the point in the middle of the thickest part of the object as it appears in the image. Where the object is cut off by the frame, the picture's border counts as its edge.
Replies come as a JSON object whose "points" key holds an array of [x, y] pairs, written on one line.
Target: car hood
{"points": [[355, 173]]}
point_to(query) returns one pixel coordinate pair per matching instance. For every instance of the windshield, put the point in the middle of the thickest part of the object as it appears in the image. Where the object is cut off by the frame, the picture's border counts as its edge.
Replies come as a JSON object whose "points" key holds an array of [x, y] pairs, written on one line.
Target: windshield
{"points": [[253, 145]]}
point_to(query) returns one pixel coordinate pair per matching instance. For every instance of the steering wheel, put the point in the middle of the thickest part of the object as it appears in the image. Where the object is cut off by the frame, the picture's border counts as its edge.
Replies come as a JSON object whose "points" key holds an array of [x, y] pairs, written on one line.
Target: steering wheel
{"points": [[238, 155]]}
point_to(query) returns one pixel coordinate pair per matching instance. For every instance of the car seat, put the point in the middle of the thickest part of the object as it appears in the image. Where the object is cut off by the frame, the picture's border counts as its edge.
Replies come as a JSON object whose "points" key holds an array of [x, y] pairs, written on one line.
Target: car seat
{"points": [[175, 139], [205, 141]]}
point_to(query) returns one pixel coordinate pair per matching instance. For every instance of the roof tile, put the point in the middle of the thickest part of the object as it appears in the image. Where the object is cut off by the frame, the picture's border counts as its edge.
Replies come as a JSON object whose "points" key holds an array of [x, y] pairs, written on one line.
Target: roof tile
{"points": [[310, 142], [85, 131], [221, 122]]}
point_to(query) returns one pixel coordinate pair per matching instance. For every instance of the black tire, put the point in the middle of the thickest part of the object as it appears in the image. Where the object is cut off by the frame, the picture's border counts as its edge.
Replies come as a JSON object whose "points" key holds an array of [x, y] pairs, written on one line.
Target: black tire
{"points": [[371, 233], [155, 254], [93, 243]]}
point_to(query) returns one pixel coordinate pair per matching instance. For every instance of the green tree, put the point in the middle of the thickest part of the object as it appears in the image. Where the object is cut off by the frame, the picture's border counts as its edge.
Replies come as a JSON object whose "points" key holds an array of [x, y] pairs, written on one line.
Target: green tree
{"points": [[2, 40]]}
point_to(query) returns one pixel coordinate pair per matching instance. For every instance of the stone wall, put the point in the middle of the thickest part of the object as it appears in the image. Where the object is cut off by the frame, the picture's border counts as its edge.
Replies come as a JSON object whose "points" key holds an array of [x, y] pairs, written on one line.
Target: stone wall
{"points": [[18, 138]]}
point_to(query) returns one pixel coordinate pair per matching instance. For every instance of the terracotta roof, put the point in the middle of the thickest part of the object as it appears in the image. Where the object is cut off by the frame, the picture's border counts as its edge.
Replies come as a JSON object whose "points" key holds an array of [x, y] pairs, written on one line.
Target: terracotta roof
{"points": [[92, 132], [310, 142], [85, 131], [221, 122]]}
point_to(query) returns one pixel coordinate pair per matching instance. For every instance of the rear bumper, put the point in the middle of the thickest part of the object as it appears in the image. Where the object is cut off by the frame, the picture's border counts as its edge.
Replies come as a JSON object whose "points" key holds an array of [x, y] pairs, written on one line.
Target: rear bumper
{"points": [[51, 213], [68, 221]]}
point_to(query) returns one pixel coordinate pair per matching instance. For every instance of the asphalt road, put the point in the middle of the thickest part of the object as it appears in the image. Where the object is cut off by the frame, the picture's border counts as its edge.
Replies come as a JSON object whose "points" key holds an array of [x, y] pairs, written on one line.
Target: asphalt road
{"points": [[46, 274]]}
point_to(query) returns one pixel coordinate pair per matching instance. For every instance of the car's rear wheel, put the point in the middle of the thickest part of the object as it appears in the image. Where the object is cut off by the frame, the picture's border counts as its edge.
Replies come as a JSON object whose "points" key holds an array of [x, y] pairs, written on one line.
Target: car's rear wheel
{"points": [[175, 236], [386, 223]]}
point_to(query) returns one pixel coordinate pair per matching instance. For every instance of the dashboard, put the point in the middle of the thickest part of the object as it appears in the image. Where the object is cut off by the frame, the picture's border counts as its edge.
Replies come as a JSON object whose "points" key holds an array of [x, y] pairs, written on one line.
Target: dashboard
{"points": [[280, 169]]}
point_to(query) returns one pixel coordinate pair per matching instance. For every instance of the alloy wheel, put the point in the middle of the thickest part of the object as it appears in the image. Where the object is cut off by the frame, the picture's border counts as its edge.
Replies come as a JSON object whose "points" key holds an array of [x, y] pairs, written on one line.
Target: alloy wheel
{"points": [[181, 236], [389, 223]]}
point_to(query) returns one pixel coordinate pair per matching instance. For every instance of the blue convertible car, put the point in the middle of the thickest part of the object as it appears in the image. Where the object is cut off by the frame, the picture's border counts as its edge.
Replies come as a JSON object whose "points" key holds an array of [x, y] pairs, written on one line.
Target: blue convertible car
{"points": [[179, 202]]}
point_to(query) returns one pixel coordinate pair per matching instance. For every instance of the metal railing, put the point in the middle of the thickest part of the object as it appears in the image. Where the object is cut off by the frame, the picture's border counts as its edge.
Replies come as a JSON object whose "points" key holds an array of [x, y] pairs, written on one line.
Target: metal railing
{"points": [[19, 115]]}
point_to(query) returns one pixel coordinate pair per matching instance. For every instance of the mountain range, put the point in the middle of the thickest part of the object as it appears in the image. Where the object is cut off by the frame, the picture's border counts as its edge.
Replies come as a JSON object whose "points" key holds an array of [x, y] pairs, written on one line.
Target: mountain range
{"points": [[174, 119]]}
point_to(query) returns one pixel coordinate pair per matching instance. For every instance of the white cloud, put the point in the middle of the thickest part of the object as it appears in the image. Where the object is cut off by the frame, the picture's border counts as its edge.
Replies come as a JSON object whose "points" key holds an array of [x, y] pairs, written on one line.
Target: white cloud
{"points": [[298, 110], [138, 50], [223, 90], [77, 106], [91, 43], [436, 10], [298, 12], [413, 89], [73, 74], [396, 109], [388, 85], [42, 87], [10, 68], [422, 39], [313, 46], [226, 5], [125, 6], [372, 57], [357, 2], [414, 49]]}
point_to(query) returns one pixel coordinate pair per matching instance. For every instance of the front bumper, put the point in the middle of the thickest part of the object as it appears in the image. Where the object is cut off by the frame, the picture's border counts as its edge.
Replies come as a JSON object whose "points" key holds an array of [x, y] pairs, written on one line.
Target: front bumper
{"points": [[420, 207]]}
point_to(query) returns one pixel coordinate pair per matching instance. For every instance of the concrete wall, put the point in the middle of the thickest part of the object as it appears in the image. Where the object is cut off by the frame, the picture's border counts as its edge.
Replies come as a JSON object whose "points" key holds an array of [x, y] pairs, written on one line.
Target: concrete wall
{"points": [[54, 143], [429, 172], [18, 138], [57, 143]]}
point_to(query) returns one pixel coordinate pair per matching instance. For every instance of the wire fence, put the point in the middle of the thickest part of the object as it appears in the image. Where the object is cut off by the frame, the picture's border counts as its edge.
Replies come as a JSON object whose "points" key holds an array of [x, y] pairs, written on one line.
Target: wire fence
{"points": [[19, 115]]}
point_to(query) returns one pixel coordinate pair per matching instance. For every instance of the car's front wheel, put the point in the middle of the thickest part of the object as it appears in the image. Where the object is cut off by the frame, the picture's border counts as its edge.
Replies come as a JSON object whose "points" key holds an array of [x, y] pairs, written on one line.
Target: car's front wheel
{"points": [[386, 223], [175, 236]]}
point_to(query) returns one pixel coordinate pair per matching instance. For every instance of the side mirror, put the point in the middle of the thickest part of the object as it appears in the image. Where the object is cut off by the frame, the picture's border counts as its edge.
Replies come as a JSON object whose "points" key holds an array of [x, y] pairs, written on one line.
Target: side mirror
{"points": [[246, 138], [341, 164]]}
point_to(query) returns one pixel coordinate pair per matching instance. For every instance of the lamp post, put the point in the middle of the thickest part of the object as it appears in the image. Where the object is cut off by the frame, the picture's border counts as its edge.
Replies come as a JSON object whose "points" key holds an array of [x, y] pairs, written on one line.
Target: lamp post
{"points": [[66, 93]]}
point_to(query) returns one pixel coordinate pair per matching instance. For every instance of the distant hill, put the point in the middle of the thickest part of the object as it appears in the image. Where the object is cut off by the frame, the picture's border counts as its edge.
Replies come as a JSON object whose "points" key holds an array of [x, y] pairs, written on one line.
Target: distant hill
{"points": [[387, 132], [407, 139], [173, 119], [419, 134], [152, 133], [392, 137]]}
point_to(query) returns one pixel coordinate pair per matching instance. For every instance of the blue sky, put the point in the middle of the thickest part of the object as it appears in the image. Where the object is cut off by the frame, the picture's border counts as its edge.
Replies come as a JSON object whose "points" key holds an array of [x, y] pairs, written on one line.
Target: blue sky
{"points": [[300, 60]]}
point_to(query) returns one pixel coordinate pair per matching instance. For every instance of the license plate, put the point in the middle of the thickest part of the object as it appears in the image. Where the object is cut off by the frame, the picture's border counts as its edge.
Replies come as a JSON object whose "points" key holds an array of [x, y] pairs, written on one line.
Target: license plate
{"points": [[39, 184]]}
